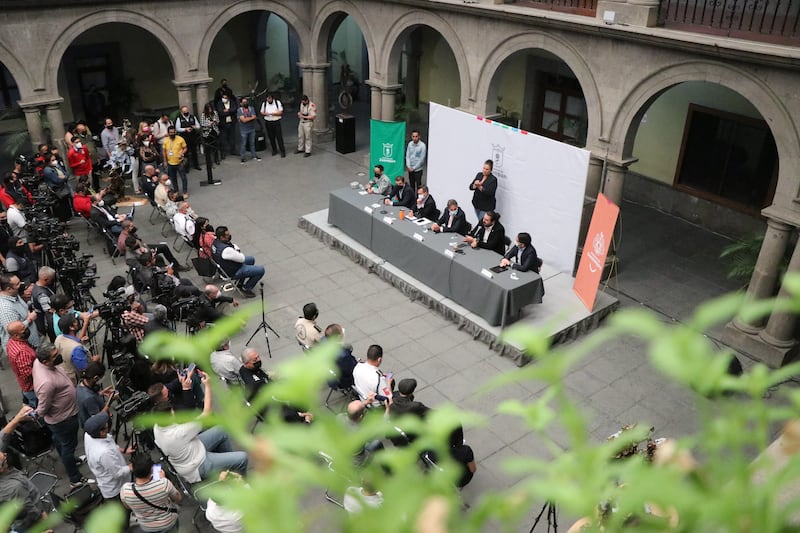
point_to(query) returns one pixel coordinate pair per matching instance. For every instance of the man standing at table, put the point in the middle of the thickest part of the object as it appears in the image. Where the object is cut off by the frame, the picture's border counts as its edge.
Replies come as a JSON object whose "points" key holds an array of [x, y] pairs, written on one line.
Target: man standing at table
{"points": [[416, 151], [306, 114]]}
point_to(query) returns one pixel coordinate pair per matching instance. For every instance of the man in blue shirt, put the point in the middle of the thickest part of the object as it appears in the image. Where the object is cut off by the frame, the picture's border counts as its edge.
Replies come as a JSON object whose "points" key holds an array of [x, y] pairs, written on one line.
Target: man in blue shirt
{"points": [[416, 151]]}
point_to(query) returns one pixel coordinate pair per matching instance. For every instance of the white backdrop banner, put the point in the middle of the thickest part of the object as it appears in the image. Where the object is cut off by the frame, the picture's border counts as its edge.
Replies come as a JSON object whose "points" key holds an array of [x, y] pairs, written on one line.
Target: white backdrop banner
{"points": [[541, 182]]}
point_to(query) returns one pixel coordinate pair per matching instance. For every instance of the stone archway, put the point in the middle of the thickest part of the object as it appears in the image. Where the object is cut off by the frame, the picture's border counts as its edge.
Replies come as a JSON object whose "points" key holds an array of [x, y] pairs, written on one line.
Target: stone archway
{"points": [[18, 72], [325, 24], [563, 51], [389, 58], [292, 18], [624, 126], [177, 55]]}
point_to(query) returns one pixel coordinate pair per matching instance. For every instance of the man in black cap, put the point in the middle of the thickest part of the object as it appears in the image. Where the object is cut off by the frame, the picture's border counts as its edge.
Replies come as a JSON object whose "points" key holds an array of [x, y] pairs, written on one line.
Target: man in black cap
{"points": [[104, 456]]}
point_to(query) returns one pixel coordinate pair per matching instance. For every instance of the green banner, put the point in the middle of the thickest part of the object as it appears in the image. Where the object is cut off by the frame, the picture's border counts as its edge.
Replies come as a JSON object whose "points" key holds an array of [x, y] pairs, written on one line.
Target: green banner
{"points": [[387, 147]]}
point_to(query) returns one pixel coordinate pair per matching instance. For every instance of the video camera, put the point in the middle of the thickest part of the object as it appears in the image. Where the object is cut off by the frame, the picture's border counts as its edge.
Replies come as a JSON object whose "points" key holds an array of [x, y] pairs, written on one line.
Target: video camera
{"points": [[116, 304], [139, 402]]}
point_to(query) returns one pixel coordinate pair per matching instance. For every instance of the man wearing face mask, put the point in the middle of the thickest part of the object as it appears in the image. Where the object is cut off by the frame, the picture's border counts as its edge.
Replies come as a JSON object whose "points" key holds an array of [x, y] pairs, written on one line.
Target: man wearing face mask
{"points": [[129, 229], [160, 129], [380, 182], [188, 127], [92, 398], [12, 309], [70, 347], [58, 406], [224, 91], [17, 262], [522, 256], [426, 205], [237, 265], [226, 109], [453, 220], [246, 115], [174, 154], [110, 138], [401, 194], [79, 159], [21, 356], [254, 378], [40, 297]]}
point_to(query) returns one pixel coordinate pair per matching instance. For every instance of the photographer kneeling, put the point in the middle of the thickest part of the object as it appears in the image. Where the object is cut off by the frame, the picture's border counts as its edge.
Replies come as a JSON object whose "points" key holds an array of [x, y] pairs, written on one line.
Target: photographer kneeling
{"points": [[194, 453]]}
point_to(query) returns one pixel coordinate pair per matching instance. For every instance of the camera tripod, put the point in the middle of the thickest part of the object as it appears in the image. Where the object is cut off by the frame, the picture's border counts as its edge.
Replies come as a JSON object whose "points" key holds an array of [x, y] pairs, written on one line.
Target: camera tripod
{"points": [[264, 325], [552, 518]]}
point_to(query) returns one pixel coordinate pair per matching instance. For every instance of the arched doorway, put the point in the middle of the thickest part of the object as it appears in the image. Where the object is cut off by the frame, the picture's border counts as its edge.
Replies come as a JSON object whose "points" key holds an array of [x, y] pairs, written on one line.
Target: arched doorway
{"points": [[13, 130], [257, 51], [119, 70], [535, 90], [349, 59], [425, 65], [709, 141]]}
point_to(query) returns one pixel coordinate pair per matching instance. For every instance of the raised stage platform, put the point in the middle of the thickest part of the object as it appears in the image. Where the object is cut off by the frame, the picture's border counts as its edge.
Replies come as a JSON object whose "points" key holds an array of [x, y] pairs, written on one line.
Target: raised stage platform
{"points": [[561, 315]]}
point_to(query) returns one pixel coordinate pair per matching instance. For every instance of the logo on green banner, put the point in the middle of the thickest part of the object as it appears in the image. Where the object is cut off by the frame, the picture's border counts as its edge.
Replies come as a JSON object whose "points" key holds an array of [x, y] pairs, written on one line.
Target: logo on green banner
{"points": [[387, 147]]}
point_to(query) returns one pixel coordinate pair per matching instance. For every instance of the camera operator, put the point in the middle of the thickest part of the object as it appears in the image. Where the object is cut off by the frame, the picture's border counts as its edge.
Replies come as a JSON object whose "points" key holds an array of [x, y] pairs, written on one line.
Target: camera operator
{"points": [[17, 261], [41, 296], [64, 305], [13, 189], [17, 223], [207, 311], [12, 309], [70, 346]]}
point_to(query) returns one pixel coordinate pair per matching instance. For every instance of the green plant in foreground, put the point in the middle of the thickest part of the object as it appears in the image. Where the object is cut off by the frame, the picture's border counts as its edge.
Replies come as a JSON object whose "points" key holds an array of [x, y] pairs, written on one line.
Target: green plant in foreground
{"points": [[718, 494]]}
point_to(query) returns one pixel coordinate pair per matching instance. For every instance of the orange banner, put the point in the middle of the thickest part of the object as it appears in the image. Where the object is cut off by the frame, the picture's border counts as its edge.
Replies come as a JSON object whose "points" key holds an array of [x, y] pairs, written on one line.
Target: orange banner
{"points": [[595, 249]]}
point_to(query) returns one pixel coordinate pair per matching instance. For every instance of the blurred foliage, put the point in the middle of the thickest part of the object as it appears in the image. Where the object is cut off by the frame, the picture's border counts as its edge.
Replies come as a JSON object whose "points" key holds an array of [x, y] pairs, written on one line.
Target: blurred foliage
{"points": [[716, 493]]}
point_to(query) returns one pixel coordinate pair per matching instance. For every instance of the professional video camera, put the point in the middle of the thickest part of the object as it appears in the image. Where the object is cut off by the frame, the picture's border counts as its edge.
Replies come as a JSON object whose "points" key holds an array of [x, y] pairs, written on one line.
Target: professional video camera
{"points": [[184, 308], [26, 165], [139, 402], [42, 227], [117, 303]]}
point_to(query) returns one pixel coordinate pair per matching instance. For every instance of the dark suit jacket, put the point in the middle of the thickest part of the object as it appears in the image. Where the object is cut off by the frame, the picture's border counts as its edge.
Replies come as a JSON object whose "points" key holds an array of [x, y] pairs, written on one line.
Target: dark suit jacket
{"points": [[403, 196], [459, 222], [496, 239], [485, 199], [428, 209], [101, 219], [529, 260]]}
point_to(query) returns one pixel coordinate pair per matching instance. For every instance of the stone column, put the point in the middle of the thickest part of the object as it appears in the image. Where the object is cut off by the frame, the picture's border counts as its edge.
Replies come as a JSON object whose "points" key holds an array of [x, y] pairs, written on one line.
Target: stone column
{"points": [[765, 274], [57, 130], [34, 121], [388, 99], [780, 326], [375, 101], [615, 179], [202, 96], [594, 177], [319, 95], [185, 96]]}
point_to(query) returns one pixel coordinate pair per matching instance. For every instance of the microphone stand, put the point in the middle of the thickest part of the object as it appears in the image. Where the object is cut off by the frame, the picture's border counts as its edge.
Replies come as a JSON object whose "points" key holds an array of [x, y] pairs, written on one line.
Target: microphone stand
{"points": [[264, 325]]}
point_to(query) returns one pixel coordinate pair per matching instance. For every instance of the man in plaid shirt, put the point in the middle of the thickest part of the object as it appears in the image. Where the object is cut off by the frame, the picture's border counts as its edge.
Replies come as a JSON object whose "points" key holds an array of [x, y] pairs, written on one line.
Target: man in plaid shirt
{"points": [[135, 321], [21, 356]]}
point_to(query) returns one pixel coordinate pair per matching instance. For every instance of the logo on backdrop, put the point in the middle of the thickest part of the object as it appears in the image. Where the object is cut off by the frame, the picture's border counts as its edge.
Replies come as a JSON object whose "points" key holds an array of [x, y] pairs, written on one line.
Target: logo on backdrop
{"points": [[386, 155], [598, 251], [497, 160]]}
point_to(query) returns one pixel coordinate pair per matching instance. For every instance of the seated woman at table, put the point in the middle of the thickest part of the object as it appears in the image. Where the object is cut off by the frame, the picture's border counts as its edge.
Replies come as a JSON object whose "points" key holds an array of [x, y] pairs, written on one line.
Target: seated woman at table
{"points": [[522, 256], [453, 220], [488, 233]]}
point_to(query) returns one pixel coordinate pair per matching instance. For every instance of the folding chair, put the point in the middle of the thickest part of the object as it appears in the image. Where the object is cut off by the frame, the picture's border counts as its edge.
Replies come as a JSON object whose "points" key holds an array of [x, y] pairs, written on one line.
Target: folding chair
{"points": [[111, 243], [228, 283], [202, 501], [346, 392], [328, 460], [157, 211]]}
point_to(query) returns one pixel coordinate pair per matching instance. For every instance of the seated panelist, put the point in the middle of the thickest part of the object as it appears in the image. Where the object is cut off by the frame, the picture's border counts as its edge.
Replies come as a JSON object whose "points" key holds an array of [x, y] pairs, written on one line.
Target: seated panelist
{"points": [[453, 220], [426, 205], [488, 234], [522, 256], [401, 194]]}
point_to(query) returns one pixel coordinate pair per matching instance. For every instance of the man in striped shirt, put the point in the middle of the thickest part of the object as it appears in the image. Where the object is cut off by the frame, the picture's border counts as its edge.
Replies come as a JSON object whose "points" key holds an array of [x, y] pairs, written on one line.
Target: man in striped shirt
{"points": [[151, 498], [21, 356]]}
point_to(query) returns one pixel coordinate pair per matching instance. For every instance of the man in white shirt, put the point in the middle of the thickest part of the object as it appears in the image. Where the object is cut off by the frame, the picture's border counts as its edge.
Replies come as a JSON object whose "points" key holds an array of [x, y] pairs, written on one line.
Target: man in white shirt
{"points": [[160, 130], [161, 194], [195, 453], [16, 221], [104, 457], [416, 151], [272, 111], [225, 364], [368, 378], [183, 222]]}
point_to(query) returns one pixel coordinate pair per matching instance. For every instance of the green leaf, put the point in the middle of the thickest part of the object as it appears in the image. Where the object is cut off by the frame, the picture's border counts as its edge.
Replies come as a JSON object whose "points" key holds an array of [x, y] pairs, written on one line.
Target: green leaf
{"points": [[108, 518]]}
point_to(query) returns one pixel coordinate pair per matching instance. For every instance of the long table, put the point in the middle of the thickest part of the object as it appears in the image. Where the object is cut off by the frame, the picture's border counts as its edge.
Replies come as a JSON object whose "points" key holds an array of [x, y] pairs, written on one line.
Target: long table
{"points": [[459, 277]]}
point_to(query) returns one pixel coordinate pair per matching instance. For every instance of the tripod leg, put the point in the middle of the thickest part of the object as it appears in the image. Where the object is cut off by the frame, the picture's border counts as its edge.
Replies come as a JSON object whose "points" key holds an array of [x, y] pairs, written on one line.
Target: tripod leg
{"points": [[259, 328], [538, 518]]}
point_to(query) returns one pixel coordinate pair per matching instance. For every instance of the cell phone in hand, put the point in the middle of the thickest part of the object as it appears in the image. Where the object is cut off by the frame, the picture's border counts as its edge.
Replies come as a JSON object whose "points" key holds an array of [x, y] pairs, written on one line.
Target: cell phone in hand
{"points": [[190, 368], [156, 471]]}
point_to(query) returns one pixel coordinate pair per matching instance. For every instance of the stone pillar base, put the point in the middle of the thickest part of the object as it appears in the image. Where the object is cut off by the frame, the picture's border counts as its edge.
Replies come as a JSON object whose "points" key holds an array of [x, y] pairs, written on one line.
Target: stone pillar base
{"points": [[322, 135], [635, 15], [772, 356]]}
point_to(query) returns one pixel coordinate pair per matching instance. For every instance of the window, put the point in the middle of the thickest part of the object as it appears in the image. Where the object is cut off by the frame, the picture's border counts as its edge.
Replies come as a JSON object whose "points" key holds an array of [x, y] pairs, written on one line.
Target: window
{"points": [[728, 158], [563, 110]]}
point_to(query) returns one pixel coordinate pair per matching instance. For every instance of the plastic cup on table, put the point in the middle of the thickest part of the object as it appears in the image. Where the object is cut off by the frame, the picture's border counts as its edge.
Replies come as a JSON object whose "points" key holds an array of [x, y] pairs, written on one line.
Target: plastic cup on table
{"points": [[402, 215]]}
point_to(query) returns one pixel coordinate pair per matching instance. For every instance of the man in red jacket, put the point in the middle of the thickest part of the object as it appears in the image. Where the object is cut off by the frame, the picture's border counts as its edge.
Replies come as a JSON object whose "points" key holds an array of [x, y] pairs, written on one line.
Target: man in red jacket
{"points": [[80, 161]]}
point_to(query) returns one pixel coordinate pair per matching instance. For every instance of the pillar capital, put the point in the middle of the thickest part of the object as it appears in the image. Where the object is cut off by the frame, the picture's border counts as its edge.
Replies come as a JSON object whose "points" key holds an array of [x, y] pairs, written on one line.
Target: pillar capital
{"points": [[620, 164], [39, 102], [313, 66], [391, 89]]}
